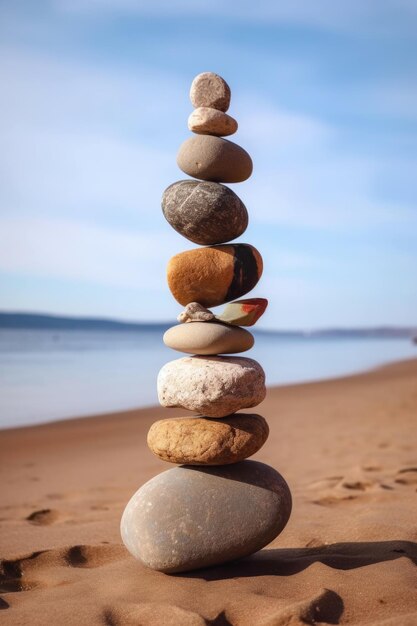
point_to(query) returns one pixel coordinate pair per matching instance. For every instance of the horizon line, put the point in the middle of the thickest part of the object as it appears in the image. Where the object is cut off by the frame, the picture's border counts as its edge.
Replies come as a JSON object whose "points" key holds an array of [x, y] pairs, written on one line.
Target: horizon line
{"points": [[124, 322]]}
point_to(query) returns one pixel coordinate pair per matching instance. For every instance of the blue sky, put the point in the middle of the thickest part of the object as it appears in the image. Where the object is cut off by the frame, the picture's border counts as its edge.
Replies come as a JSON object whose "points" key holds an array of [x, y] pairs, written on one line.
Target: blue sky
{"points": [[94, 107]]}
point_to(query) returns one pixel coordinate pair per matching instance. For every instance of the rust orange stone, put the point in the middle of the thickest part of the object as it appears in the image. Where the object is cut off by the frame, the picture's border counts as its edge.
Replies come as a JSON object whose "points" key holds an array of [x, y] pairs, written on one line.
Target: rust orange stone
{"points": [[214, 275]]}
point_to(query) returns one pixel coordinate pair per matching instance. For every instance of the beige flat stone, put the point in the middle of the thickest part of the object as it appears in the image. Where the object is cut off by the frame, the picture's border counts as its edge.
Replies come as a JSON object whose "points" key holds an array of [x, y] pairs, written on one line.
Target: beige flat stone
{"points": [[207, 121], [213, 386], [208, 338], [203, 441]]}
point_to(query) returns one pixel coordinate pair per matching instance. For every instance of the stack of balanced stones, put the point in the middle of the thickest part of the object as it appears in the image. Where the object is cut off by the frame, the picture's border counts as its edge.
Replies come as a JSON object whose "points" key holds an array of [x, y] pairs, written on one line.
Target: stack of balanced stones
{"points": [[215, 506]]}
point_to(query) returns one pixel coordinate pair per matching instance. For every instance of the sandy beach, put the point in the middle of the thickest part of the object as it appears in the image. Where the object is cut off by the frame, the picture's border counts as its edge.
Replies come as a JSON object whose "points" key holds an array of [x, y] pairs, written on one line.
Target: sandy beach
{"points": [[348, 449]]}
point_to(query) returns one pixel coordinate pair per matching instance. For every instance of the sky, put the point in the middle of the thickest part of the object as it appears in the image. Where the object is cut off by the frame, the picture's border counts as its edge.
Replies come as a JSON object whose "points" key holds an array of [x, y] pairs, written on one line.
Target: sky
{"points": [[94, 108]]}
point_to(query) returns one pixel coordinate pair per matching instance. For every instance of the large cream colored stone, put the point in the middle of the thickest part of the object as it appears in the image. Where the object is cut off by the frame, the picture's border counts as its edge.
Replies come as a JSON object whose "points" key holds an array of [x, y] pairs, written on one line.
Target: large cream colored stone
{"points": [[203, 441], [208, 338], [212, 386]]}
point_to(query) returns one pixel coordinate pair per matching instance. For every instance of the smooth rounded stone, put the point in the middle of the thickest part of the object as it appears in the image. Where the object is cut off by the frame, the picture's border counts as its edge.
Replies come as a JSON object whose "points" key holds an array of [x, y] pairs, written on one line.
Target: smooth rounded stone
{"points": [[243, 312], [215, 159], [212, 386], [195, 312], [206, 121], [203, 441], [187, 517], [214, 275], [210, 90], [208, 338], [204, 212]]}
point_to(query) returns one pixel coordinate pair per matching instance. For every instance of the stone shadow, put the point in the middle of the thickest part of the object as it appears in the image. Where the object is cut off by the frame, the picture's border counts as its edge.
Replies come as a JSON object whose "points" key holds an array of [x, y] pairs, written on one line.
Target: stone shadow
{"points": [[290, 561]]}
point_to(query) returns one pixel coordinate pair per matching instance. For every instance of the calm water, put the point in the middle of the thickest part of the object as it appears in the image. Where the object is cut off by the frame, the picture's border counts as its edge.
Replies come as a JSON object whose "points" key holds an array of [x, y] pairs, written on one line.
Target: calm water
{"points": [[47, 375]]}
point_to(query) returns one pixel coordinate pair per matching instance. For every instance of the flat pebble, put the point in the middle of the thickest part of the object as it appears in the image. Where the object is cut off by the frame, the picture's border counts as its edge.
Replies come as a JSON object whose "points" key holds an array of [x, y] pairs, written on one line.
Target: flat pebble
{"points": [[188, 517], [214, 275], [203, 441], [213, 158], [208, 338], [212, 386], [210, 90], [243, 312], [204, 212], [206, 121]]}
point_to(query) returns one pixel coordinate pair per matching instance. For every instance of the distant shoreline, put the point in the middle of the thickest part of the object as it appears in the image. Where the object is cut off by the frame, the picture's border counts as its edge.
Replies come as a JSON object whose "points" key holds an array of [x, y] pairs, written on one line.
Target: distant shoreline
{"points": [[39, 321]]}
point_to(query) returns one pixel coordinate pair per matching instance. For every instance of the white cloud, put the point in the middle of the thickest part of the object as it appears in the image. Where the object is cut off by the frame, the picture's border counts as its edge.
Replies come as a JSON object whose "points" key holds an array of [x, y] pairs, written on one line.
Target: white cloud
{"points": [[94, 175], [266, 125], [81, 139], [72, 250]]}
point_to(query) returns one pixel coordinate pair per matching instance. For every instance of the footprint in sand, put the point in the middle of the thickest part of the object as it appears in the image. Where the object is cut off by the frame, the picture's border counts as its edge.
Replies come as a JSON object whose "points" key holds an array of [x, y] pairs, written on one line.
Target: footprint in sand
{"points": [[21, 574], [43, 517], [11, 576], [93, 556], [151, 613], [326, 483], [325, 608], [359, 482], [407, 476]]}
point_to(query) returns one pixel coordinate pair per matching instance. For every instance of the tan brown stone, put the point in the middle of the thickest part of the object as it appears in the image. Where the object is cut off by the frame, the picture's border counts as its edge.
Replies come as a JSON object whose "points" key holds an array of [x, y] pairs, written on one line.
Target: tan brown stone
{"points": [[214, 275], [203, 441], [210, 90], [214, 159], [207, 121]]}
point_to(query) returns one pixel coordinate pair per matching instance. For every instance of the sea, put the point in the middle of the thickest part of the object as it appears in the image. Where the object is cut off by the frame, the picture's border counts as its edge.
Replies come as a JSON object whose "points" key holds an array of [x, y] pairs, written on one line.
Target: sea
{"points": [[48, 375]]}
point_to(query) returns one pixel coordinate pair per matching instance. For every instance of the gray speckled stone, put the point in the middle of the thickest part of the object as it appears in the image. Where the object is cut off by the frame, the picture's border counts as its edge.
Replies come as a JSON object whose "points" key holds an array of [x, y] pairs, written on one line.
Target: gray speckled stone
{"points": [[204, 212], [188, 517]]}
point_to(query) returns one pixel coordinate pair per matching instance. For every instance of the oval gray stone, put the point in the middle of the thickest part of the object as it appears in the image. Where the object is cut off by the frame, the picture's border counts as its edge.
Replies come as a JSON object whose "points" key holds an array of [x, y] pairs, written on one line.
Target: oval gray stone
{"points": [[208, 338], [204, 212], [215, 159], [188, 517]]}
